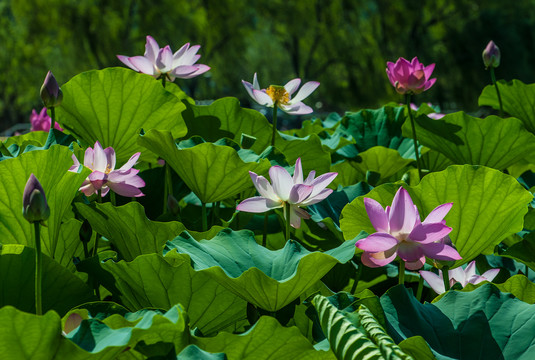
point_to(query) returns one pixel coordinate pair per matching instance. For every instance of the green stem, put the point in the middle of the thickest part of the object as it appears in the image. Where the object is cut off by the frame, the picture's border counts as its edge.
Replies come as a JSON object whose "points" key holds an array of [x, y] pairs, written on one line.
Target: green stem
{"points": [[288, 214], [112, 198], [95, 249], [401, 272], [163, 80], [52, 118], [408, 98], [38, 269], [86, 250], [264, 235], [204, 218], [420, 288], [495, 83], [167, 187], [358, 274], [446, 278], [275, 108]]}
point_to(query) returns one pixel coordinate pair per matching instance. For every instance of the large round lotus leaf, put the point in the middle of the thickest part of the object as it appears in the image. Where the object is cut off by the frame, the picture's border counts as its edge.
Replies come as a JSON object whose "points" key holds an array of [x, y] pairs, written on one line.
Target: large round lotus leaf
{"points": [[518, 100], [488, 206], [60, 237], [493, 141], [153, 281], [480, 324], [265, 340], [62, 290], [267, 279], [112, 105], [212, 172]]}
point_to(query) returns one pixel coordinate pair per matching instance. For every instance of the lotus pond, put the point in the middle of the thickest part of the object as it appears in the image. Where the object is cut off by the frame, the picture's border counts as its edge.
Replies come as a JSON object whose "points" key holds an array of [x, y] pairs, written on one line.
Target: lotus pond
{"points": [[138, 224]]}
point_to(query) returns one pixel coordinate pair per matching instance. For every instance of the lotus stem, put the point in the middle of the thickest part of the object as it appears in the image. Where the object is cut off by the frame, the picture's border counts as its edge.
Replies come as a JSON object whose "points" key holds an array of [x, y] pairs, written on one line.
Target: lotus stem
{"points": [[401, 272], [167, 187], [446, 277], [408, 98], [163, 81], [495, 83], [264, 235], [275, 108], [52, 118], [287, 208], [38, 269], [204, 217], [420, 289], [112, 198], [356, 280]]}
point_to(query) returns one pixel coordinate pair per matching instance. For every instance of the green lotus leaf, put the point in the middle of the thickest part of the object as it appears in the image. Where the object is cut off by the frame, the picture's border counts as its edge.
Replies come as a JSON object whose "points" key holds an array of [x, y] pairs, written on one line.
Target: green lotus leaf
{"points": [[113, 104], [355, 334], [266, 340], [267, 279], [380, 127], [434, 160], [212, 172], [59, 239], [493, 141], [518, 100], [28, 336], [378, 159], [193, 352], [333, 141], [488, 206], [153, 281], [150, 332], [128, 228], [62, 290], [36, 138], [480, 324], [521, 251]]}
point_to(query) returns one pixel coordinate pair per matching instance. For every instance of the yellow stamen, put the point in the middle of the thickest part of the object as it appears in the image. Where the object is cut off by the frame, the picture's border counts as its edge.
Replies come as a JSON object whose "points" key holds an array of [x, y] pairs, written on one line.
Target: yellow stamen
{"points": [[278, 94]]}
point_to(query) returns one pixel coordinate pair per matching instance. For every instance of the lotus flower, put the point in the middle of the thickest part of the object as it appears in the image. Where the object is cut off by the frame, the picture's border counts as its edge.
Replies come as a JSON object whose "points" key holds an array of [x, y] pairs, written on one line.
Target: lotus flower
{"points": [[288, 189], [463, 276], [41, 121], [123, 181], [162, 62], [434, 115], [410, 77], [50, 92], [281, 96], [401, 233], [34, 205], [491, 55]]}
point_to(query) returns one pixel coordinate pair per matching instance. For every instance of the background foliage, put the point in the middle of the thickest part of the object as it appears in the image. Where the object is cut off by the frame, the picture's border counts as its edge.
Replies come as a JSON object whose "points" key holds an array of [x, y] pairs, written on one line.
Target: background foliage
{"points": [[343, 44]]}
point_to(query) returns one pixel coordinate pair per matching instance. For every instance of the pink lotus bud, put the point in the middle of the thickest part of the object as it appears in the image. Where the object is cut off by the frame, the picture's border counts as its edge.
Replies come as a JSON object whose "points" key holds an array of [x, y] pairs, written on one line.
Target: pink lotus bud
{"points": [[491, 55], [50, 92], [34, 205]]}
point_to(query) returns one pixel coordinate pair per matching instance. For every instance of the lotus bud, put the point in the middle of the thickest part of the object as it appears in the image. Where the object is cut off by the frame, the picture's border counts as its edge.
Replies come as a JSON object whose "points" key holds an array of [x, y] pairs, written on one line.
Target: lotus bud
{"points": [[50, 92], [172, 205], [34, 205], [491, 55]]}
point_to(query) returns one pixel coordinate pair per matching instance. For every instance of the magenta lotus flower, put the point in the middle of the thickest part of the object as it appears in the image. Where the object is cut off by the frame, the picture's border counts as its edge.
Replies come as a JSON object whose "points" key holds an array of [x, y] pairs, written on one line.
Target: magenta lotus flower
{"points": [[410, 77], [281, 96], [460, 275], [491, 55], [41, 121], [401, 233], [288, 189], [123, 181], [162, 62]]}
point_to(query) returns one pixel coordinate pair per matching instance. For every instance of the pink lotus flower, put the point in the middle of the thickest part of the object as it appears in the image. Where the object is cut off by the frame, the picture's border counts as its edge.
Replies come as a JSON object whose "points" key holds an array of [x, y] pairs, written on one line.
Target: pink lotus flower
{"points": [[491, 55], [162, 62], [280, 96], [123, 181], [410, 77], [41, 121], [463, 276], [288, 189], [401, 233]]}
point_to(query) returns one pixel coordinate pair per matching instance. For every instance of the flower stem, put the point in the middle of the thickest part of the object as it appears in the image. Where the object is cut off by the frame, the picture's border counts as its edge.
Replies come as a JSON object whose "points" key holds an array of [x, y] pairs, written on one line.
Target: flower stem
{"points": [[401, 272], [420, 288], [204, 218], [275, 108], [446, 278], [163, 80], [52, 118], [38, 269], [287, 208], [495, 83], [99, 200], [112, 198], [264, 235], [408, 98], [358, 274], [168, 186]]}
